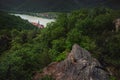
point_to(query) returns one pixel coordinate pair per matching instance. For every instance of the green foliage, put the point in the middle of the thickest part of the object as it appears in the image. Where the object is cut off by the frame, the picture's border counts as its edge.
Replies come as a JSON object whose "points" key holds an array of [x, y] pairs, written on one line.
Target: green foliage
{"points": [[74, 36], [112, 78], [112, 47], [10, 27], [87, 43], [25, 50], [8, 22], [47, 78], [61, 56]]}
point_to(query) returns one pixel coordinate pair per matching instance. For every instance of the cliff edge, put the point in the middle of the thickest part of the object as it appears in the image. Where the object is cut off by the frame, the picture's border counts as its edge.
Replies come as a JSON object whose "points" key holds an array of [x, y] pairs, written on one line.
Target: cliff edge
{"points": [[79, 65]]}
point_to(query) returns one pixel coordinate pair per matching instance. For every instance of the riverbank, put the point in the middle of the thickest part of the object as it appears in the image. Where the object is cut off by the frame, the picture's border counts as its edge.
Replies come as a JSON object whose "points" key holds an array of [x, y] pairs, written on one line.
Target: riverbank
{"points": [[48, 15], [35, 19]]}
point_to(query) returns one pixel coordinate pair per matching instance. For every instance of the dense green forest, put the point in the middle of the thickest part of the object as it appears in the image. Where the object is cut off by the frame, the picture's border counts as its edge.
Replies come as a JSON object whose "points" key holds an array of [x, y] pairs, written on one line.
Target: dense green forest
{"points": [[8, 25], [25, 49], [55, 5]]}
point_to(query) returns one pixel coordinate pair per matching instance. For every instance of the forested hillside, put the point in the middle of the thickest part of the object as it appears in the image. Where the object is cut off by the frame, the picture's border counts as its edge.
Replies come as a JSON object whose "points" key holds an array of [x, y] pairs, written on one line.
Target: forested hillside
{"points": [[9, 24], [55, 5], [31, 50]]}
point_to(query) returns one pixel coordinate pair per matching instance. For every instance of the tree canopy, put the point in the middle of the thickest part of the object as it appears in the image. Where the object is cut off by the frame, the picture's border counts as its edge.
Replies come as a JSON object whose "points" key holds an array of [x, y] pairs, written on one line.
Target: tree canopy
{"points": [[27, 50]]}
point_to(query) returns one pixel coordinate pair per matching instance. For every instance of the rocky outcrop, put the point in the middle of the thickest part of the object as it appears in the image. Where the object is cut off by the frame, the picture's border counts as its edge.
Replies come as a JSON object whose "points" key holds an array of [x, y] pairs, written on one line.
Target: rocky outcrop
{"points": [[79, 65], [117, 24]]}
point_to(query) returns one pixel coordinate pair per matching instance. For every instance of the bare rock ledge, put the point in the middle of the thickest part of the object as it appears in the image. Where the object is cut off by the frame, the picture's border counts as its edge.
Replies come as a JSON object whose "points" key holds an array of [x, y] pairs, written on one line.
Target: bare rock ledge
{"points": [[79, 65]]}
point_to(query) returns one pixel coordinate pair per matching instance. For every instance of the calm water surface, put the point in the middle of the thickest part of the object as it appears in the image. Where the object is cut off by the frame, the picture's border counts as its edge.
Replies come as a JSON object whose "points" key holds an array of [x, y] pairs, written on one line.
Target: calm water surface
{"points": [[42, 21]]}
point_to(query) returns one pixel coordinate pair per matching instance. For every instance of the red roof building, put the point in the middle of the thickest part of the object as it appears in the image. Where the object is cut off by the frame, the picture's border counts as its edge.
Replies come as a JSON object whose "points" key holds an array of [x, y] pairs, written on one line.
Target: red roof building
{"points": [[38, 25]]}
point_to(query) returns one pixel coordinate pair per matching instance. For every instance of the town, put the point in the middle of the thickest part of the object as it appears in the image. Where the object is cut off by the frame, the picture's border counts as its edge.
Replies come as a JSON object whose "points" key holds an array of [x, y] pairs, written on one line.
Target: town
{"points": [[38, 25]]}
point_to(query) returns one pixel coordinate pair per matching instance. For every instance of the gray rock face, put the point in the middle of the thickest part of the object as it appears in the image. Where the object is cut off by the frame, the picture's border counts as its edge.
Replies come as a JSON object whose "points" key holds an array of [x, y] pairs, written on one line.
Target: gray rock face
{"points": [[79, 65]]}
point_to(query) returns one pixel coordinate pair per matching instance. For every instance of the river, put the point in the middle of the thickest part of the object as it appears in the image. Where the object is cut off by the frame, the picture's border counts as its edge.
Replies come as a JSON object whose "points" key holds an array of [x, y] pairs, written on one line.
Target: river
{"points": [[35, 19]]}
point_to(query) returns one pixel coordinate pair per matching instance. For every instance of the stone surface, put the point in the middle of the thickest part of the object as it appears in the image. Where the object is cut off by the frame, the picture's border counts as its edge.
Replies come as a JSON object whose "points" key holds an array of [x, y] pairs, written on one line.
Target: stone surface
{"points": [[79, 65]]}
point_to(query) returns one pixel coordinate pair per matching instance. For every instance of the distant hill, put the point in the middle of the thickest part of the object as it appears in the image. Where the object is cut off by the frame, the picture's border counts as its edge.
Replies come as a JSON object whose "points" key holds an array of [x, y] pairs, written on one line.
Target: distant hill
{"points": [[55, 5], [10, 22]]}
